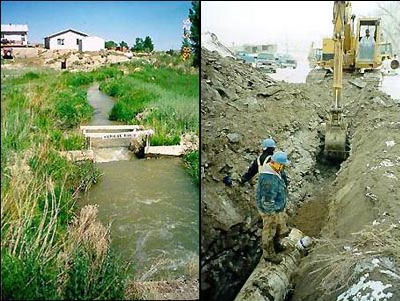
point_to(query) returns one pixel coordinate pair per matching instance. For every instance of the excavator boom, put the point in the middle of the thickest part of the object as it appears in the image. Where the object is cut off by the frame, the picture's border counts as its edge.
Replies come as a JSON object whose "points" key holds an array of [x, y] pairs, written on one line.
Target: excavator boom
{"points": [[336, 129]]}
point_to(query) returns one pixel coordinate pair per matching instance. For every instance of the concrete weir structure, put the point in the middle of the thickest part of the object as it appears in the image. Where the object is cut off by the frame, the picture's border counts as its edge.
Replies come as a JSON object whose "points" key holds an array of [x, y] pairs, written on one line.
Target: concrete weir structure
{"points": [[111, 136]]}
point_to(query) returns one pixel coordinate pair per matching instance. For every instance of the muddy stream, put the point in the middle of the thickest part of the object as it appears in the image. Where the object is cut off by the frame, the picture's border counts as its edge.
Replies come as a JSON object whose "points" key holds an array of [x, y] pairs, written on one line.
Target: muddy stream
{"points": [[152, 205]]}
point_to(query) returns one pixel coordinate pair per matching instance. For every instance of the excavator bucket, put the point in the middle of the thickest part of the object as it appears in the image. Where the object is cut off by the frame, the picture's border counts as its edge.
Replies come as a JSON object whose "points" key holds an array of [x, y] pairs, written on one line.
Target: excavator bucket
{"points": [[335, 142]]}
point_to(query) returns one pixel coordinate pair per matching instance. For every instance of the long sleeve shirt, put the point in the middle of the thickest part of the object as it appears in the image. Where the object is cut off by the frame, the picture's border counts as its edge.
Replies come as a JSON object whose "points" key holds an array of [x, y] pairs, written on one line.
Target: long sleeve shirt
{"points": [[253, 169]]}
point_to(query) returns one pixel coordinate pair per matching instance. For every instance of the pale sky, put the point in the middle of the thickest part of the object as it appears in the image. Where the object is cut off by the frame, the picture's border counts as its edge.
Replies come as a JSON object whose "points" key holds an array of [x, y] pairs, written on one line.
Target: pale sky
{"points": [[297, 22]]}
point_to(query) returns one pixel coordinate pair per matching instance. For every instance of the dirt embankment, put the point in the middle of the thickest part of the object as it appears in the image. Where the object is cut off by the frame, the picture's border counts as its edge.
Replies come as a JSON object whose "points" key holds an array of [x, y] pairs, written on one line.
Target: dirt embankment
{"points": [[75, 60], [242, 106]]}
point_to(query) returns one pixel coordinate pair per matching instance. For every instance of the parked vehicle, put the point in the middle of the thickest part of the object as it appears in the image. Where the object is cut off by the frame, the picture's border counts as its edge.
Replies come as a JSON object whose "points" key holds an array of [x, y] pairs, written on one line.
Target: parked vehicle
{"points": [[267, 62], [286, 61]]}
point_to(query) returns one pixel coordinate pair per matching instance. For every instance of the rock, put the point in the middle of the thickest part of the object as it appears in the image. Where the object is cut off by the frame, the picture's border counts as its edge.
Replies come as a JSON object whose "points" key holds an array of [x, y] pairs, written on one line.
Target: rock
{"points": [[137, 146], [269, 91], [233, 137], [358, 83], [78, 155], [189, 142]]}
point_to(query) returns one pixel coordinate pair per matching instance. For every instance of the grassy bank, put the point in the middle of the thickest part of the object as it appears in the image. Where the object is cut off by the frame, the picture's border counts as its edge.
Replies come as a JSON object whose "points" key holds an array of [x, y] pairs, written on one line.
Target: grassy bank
{"points": [[165, 99], [192, 162], [47, 252], [162, 94]]}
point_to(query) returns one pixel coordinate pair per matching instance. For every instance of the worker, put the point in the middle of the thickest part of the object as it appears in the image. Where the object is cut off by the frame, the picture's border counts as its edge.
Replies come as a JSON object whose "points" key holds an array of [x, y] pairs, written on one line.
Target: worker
{"points": [[367, 45], [269, 146], [271, 201]]}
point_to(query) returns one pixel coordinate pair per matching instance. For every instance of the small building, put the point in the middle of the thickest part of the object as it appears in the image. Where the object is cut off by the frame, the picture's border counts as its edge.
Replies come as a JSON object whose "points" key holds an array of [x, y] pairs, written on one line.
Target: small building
{"points": [[14, 34], [66, 39], [91, 43], [72, 39]]}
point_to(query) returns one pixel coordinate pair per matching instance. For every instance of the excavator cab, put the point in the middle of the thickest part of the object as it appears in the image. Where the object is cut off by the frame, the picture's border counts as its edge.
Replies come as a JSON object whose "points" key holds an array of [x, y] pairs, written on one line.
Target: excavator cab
{"points": [[367, 43]]}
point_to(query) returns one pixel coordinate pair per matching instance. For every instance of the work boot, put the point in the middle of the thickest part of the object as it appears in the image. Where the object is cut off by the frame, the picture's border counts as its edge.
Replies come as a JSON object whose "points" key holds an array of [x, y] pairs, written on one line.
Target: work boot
{"points": [[278, 246]]}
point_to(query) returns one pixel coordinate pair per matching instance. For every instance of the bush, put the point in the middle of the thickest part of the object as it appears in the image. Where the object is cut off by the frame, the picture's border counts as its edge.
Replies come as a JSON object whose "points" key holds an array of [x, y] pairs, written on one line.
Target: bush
{"points": [[132, 100], [71, 107], [192, 162], [87, 281], [31, 75], [66, 143], [78, 79], [106, 72], [26, 278], [170, 79]]}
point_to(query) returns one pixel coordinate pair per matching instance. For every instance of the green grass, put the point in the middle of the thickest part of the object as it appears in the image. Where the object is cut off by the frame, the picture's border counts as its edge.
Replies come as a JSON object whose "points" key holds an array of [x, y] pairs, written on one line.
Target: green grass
{"points": [[26, 278], [107, 72], [169, 98], [167, 93], [78, 79], [192, 161], [170, 79], [131, 100], [41, 256], [71, 107]]}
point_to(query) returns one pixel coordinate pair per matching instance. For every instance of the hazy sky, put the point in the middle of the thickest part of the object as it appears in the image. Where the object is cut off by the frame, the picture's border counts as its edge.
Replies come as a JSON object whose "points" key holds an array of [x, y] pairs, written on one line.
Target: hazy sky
{"points": [[111, 20], [297, 22]]}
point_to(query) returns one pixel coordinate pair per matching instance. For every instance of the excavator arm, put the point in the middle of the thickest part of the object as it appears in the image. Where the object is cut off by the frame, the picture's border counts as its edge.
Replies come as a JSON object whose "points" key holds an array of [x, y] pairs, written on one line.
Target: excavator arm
{"points": [[336, 129]]}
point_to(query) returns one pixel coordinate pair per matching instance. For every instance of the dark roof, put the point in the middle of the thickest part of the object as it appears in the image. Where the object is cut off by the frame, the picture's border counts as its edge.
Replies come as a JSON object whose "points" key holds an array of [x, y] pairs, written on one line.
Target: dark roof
{"points": [[64, 31]]}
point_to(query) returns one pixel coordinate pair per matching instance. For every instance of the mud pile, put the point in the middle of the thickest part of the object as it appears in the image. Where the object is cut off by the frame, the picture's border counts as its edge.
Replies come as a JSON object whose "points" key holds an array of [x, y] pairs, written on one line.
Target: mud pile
{"points": [[241, 106]]}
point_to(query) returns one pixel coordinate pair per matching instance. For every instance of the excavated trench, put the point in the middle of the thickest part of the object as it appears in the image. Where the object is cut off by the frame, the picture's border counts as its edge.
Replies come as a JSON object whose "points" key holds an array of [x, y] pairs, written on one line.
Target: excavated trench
{"points": [[240, 107], [310, 215]]}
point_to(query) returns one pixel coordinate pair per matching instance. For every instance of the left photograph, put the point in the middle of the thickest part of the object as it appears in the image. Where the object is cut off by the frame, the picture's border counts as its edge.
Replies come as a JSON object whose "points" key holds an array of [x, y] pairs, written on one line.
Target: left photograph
{"points": [[99, 150]]}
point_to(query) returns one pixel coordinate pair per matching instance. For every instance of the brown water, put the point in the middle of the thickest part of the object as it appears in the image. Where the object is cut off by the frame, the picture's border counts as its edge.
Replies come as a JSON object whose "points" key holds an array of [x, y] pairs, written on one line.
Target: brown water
{"points": [[102, 105], [152, 205], [154, 209]]}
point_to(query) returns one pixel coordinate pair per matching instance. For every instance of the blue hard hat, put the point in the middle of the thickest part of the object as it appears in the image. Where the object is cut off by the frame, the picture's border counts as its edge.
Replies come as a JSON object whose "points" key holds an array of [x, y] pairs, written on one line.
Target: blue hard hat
{"points": [[269, 143], [280, 157]]}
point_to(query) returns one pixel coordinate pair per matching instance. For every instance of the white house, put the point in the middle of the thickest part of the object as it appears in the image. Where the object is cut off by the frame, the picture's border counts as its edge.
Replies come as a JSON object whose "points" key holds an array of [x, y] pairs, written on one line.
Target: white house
{"points": [[15, 34], [74, 40], [91, 43], [66, 39]]}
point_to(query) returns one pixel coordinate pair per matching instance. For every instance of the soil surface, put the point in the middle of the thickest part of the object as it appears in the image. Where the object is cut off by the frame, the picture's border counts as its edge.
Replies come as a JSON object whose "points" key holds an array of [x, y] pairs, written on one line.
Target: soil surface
{"points": [[164, 290]]}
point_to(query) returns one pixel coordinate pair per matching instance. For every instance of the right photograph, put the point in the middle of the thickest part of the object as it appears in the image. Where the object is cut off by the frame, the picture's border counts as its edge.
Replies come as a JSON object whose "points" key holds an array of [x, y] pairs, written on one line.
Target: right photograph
{"points": [[300, 150]]}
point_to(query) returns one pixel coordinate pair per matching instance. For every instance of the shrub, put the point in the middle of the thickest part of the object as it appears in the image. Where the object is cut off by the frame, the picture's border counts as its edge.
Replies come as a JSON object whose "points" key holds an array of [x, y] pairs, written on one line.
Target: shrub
{"points": [[170, 79], [26, 278], [132, 100], [71, 107], [31, 75], [192, 162], [78, 79], [107, 72], [87, 281], [66, 143]]}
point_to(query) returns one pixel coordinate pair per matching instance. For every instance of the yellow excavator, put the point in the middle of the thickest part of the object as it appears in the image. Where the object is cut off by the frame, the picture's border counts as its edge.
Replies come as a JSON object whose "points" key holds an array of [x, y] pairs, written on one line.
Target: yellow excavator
{"points": [[357, 55], [346, 51]]}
